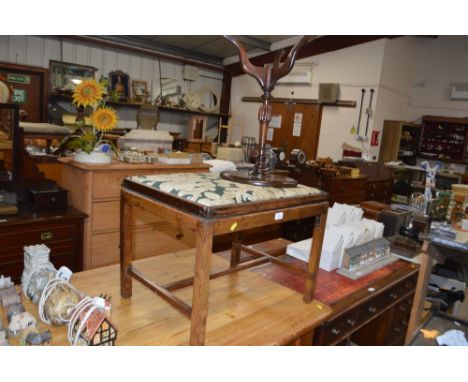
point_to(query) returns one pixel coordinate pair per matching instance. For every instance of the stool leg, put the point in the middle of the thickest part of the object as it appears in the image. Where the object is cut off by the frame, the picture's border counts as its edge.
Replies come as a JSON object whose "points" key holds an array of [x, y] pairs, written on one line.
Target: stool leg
{"points": [[314, 258], [126, 245], [201, 284], [420, 294], [235, 251]]}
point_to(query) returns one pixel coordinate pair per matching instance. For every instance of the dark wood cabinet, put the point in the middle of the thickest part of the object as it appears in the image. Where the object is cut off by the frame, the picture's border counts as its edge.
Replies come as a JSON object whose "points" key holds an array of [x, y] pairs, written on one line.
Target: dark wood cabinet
{"points": [[444, 138], [373, 310], [372, 319], [61, 231], [379, 183], [345, 189]]}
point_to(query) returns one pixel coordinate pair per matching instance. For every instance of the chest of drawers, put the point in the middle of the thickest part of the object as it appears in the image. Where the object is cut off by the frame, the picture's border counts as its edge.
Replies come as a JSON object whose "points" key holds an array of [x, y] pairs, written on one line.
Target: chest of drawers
{"points": [[373, 310], [61, 231], [95, 190], [381, 318]]}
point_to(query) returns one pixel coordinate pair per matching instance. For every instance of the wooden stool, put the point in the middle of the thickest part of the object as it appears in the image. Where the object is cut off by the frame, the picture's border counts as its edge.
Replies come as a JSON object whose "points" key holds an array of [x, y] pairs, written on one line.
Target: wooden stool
{"points": [[210, 206]]}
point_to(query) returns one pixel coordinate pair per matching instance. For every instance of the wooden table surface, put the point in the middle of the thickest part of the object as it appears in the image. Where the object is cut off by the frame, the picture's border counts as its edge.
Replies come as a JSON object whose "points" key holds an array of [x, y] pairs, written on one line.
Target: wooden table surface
{"points": [[244, 307]]}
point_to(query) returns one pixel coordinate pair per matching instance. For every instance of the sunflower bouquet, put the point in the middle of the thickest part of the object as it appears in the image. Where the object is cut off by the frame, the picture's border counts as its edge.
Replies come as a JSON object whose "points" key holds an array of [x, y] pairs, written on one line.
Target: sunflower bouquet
{"points": [[90, 94]]}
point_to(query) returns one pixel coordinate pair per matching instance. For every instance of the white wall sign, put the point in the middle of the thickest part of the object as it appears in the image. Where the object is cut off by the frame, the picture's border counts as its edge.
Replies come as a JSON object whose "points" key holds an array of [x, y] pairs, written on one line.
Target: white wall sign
{"points": [[270, 134], [275, 121], [297, 124]]}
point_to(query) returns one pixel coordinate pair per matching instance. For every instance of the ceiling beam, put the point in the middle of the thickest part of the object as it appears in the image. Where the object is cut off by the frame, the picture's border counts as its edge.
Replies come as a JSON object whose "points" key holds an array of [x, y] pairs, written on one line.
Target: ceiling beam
{"points": [[93, 40], [163, 48], [321, 45], [255, 43]]}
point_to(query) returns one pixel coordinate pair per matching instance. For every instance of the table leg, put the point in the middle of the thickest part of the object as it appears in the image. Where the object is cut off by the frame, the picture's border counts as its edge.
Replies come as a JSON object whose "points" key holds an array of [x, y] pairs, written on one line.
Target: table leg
{"points": [[201, 284], [126, 245], [314, 258], [420, 294]]}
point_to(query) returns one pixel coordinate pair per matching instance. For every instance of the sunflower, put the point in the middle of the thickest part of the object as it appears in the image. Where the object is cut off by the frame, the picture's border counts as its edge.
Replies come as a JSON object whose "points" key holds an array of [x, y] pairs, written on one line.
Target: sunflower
{"points": [[104, 119], [87, 93]]}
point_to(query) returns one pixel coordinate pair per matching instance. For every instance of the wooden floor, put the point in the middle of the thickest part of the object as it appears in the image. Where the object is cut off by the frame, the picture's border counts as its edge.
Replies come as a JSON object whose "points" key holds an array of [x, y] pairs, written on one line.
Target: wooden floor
{"points": [[244, 307]]}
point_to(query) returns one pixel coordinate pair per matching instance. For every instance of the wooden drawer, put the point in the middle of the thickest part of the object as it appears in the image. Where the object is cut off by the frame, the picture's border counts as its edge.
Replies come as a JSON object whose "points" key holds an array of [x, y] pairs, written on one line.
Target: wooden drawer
{"points": [[409, 285], [107, 184], [398, 326], [106, 216], [37, 234], [149, 241], [340, 187], [403, 308], [12, 263], [380, 185], [372, 308], [337, 329], [376, 305]]}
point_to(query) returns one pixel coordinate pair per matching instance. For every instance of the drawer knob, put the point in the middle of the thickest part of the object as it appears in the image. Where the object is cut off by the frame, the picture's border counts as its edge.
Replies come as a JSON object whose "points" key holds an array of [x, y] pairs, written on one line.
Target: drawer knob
{"points": [[179, 235], [372, 309], [335, 331], [351, 322], [393, 296], [396, 329], [46, 235]]}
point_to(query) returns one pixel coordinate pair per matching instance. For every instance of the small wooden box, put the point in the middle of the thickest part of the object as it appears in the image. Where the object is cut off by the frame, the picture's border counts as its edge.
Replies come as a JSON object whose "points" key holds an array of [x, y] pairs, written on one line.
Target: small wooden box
{"points": [[42, 199], [372, 209]]}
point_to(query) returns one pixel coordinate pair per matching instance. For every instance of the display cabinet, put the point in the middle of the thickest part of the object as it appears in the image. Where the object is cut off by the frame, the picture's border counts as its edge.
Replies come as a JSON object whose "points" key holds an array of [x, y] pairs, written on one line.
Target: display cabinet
{"points": [[444, 138], [409, 179], [400, 141]]}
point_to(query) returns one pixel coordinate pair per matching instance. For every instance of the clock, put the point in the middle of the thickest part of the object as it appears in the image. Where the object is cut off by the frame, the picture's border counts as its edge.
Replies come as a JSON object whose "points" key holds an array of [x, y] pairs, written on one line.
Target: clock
{"points": [[280, 154], [298, 157], [5, 92]]}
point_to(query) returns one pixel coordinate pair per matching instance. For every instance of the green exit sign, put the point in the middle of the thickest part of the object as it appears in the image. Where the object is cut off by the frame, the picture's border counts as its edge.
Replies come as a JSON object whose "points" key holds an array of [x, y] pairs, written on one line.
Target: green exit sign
{"points": [[19, 96], [18, 78]]}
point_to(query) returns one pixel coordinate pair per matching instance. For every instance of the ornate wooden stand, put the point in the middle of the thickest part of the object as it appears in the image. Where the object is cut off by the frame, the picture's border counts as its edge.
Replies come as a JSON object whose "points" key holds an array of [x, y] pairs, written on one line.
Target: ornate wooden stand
{"points": [[266, 77]]}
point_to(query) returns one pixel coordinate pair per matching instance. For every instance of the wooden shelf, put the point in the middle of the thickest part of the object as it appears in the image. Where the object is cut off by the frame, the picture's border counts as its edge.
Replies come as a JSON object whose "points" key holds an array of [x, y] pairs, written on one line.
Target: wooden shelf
{"points": [[186, 111], [302, 100], [458, 161], [65, 97]]}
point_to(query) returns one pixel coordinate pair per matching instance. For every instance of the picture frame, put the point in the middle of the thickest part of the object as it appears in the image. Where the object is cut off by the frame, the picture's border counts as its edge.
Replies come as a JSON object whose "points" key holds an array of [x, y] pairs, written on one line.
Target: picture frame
{"points": [[120, 86], [140, 92], [64, 76]]}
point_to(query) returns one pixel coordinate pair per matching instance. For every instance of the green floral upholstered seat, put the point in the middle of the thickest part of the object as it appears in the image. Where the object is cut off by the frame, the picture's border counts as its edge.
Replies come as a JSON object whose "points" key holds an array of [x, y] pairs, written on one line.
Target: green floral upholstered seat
{"points": [[208, 189]]}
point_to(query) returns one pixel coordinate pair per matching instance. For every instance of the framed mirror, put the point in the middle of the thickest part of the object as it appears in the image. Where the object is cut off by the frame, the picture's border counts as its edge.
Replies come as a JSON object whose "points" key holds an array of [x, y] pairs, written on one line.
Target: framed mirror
{"points": [[64, 76]]}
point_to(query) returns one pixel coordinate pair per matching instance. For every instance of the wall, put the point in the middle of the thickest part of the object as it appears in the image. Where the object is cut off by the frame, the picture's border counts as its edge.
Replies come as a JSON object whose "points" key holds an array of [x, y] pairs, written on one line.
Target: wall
{"points": [[353, 68], [438, 63], [37, 51], [396, 77]]}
